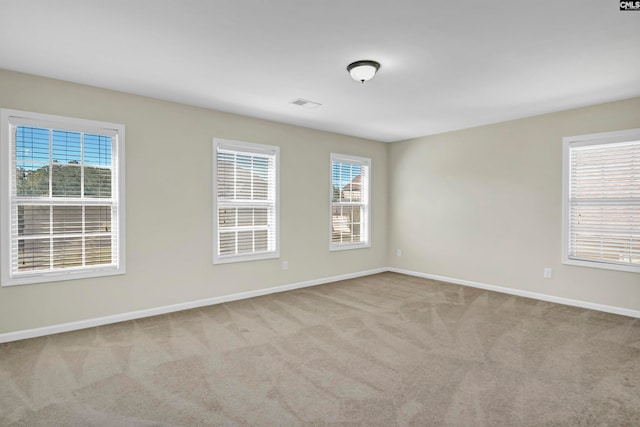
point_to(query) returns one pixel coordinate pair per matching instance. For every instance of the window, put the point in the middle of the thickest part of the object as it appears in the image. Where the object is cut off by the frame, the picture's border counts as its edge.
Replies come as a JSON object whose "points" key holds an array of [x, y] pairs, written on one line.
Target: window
{"points": [[245, 201], [62, 191], [601, 200], [349, 202]]}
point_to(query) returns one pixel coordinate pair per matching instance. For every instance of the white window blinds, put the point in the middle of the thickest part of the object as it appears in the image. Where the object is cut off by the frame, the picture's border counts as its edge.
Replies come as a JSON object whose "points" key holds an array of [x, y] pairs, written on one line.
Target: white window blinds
{"points": [[63, 216], [245, 201], [603, 215], [349, 202]]}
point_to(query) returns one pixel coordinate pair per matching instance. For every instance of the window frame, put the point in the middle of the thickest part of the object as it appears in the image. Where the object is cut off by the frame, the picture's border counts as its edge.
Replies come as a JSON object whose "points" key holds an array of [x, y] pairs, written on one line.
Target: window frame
{"points": [[249, 148], [365, 205], [603, 139], [10, 118]]}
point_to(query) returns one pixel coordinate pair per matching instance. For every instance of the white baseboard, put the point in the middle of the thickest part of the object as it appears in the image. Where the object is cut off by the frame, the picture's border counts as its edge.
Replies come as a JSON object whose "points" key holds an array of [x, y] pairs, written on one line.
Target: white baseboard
{"points": [[534, 295], [99, 321]]}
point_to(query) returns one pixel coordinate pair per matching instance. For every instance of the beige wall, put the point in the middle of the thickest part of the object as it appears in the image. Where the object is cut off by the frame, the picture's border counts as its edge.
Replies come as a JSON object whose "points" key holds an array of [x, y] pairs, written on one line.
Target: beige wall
{"points": [[169, 211], [484, 205]]}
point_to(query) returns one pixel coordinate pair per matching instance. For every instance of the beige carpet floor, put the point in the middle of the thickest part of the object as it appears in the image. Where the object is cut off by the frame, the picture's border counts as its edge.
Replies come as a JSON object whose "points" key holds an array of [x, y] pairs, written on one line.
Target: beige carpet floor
{"points": [[383, 350]]}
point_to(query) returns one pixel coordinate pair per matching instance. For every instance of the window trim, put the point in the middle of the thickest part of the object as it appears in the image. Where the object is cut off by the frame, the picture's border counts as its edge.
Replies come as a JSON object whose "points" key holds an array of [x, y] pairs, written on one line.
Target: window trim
{"points": [[8, 118], [603, 138], [251, 148], [363, 161]]}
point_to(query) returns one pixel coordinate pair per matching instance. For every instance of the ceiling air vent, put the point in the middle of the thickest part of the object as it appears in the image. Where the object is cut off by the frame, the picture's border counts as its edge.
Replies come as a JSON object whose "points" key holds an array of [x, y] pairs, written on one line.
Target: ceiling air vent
{"points": [[306, 103]]}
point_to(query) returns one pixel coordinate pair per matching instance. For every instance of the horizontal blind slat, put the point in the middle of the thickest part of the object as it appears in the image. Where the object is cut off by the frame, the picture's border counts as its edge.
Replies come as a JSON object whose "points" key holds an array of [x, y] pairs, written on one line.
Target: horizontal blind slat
{"points": [[604, 216], [349, 180], [246, 200], [63, 212]]}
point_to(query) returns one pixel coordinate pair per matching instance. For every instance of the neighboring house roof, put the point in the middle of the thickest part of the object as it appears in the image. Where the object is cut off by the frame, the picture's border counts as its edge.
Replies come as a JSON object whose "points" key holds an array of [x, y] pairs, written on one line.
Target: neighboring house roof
{"points": [[354, 185]]}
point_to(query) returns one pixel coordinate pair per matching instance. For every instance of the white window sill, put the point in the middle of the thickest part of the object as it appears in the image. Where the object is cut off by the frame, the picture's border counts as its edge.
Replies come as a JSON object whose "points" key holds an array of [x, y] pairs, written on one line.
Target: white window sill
{"points": [[347, 247], [57, 276], [602, 265], [244, 258]]}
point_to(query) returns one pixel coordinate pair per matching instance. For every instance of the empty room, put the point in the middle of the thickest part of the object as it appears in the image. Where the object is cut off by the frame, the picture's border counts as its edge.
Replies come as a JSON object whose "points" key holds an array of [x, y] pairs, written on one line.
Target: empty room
{"points": [[335, 213]]}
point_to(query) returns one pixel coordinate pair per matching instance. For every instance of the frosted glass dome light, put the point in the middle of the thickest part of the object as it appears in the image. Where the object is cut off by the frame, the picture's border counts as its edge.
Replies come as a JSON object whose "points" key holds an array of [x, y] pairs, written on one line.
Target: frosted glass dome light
{"points": [[361, 71]]}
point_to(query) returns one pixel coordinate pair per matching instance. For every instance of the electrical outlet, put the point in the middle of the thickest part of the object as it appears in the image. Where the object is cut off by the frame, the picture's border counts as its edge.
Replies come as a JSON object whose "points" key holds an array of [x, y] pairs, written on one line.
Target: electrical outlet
{"points": [[398, 252], [285, 265], [547, 273]]}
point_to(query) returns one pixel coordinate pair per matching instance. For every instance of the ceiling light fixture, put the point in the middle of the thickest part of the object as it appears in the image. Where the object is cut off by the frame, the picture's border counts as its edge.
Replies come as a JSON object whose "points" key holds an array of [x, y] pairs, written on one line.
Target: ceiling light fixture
{"points": [[361, 71]]}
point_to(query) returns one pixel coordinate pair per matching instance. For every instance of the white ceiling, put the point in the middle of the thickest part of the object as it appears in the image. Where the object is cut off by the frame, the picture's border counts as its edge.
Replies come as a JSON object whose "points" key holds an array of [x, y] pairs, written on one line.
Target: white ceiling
{"points": [[446, 65]]}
